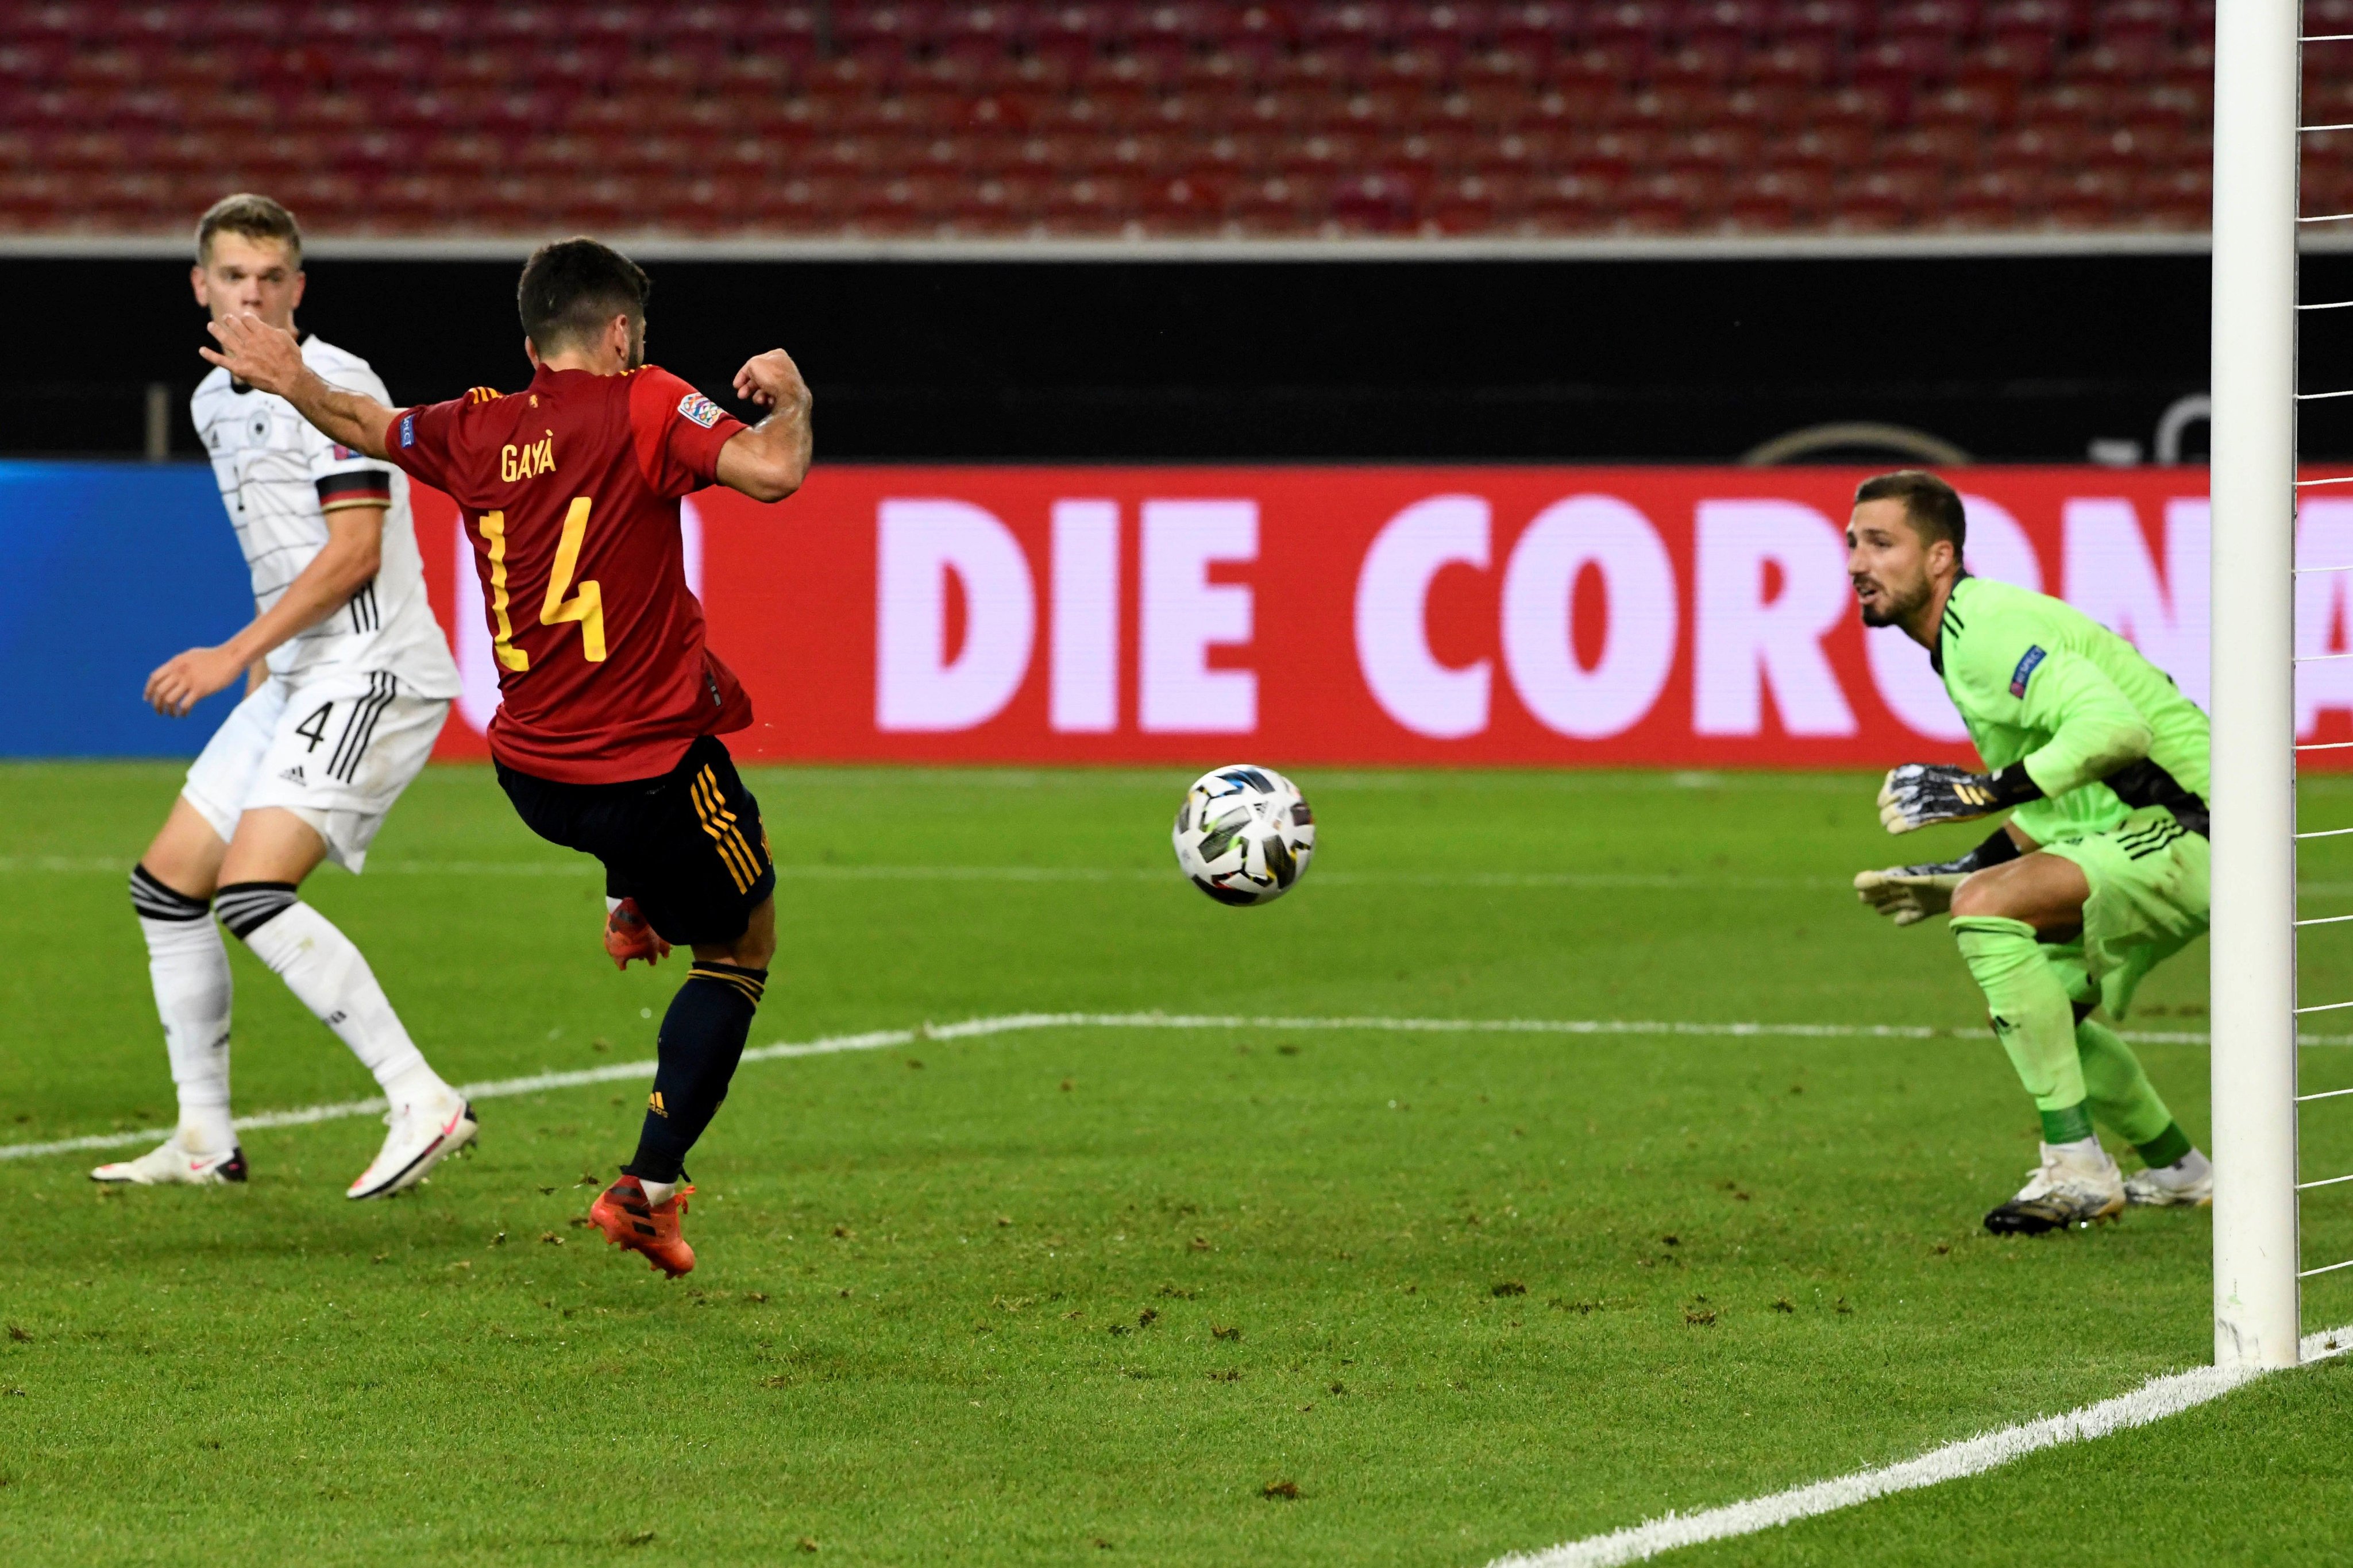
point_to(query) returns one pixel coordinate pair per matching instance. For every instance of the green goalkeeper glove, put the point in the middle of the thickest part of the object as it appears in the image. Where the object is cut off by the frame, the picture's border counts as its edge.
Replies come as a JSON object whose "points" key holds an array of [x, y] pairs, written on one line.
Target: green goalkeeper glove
{"points": [[1919, 793], [1910, 894]]}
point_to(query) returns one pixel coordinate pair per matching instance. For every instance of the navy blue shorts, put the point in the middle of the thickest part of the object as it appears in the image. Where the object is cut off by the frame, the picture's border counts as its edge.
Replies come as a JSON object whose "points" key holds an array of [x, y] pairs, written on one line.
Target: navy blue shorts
{"points": [[688, 845]]}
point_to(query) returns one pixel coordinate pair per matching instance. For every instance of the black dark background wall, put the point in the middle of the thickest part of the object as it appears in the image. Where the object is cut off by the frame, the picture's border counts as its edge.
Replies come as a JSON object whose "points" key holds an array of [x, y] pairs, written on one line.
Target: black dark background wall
{"points": [[2013, 359]]}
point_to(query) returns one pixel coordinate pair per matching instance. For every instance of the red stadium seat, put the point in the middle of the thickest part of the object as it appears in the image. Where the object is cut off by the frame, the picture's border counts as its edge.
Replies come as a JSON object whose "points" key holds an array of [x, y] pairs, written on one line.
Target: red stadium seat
{"points": [[1708, 67], [1447, 32], [1670, 203], [2095, 103], [1322, 154], [1838, 24], [1274, 204], [1232, 156], [1975, 103], [1869, 207], [1913, 189], [1415, 70], [1753, 111], [1090, 203], [1184, 203], [1904, 63], [901, 204], [1613, 157], [1373, 204], [803, 204], [1799, 63], [1771, 201], [1517, 155], [1566, 206], [2018, 61], [1940, 146], [1746, 20], [1728, 147], [1538, 28], [1464, 207], [708, 204], [1071, 32]]}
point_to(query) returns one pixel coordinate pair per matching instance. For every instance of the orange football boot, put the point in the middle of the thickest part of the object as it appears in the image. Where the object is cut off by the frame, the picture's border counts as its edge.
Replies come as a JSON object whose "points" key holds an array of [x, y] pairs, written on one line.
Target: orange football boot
{"points": [[633, 1224], [629, 936]]}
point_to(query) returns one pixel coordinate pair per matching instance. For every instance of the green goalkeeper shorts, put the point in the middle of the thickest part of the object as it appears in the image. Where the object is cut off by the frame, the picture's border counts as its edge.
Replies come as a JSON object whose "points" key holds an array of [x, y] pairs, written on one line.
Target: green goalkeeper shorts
{"points": [[2149, 899]]}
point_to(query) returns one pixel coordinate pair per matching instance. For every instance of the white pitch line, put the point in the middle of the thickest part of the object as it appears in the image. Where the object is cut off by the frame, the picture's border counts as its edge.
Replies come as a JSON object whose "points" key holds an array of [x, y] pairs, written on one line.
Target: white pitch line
{"points": [[116, 865], [1012, 1023], [2152, 1401]]}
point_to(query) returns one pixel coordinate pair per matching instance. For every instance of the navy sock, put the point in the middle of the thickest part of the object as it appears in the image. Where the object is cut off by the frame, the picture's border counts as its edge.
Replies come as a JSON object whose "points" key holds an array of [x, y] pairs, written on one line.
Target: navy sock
{"points": [[702, 1040]]}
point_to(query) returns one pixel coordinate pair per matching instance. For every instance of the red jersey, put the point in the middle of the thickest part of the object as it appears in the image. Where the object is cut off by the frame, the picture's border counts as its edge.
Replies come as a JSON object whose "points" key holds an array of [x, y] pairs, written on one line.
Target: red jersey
{"points": [[569, 492]]}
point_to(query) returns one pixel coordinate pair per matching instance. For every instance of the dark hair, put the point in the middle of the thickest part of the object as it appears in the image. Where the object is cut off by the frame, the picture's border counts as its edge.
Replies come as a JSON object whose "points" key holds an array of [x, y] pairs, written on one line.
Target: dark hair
{"points": [[255, 217], [571, 287], [1932, 506]]}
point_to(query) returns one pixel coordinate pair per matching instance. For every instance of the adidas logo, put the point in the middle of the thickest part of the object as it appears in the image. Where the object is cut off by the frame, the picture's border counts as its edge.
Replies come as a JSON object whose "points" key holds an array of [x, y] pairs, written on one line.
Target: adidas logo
{"points": [[655, 1106], [294, 775]]}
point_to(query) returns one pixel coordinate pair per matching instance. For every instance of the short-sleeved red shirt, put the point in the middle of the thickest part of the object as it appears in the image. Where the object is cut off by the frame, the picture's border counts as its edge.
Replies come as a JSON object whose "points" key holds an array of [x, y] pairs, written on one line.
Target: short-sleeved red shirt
{"points": [[569, 492]]}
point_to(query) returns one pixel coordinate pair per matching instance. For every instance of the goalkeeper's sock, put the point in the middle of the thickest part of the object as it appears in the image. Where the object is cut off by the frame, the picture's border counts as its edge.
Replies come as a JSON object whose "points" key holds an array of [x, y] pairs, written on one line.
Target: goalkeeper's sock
{"points": [[2171, 1148], [702, 1040], [2122, 1096], [2031, 1016]]}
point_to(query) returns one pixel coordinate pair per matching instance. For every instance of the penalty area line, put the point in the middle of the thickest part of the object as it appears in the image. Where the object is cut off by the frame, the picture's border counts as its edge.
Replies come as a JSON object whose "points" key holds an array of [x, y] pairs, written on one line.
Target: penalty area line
{"points": [[2152, 1401], [1014, 1023]]}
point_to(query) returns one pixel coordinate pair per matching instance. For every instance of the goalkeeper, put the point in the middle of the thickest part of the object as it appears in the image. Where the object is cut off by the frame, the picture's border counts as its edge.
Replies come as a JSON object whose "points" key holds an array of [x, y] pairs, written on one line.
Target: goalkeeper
{"points": [[2100, 873]]}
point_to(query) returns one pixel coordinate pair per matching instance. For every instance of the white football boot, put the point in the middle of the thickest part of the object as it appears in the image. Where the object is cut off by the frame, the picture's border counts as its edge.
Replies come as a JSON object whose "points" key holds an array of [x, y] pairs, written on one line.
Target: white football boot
{"points": [[423, 1133], [170, 1161], [2189, 1182], [2071, 1188]]}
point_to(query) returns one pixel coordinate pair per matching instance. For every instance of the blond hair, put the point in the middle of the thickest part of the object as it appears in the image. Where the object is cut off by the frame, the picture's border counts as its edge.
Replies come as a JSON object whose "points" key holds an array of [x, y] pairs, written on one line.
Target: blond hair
{"points": [[253, 217]]}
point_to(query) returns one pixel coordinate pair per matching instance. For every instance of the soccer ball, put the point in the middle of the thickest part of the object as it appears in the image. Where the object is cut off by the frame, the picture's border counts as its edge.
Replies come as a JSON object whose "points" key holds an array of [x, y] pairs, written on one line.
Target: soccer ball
{"points": [[1244, 835]]}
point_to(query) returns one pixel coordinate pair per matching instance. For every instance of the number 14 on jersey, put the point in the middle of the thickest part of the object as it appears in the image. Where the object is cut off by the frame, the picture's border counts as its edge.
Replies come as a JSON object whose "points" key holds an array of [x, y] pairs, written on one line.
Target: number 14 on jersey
{"points": [[586, 606]]}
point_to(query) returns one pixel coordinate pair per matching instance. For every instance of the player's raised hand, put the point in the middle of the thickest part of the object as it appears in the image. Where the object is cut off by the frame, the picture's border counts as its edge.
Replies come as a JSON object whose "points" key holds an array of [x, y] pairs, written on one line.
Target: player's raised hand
{"points": [[179, 684], [1919, 793], [255, 353], [771, 380]]}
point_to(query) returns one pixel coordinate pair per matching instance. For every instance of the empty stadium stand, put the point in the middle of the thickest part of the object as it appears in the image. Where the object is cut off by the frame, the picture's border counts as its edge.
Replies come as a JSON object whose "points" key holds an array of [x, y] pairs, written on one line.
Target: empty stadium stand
{"points": [[1195, 117]]}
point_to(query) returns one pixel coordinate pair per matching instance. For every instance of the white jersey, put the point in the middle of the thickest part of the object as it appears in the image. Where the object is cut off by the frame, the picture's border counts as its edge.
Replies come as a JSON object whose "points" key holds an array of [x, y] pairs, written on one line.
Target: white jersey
{"points": [[278, 479]]}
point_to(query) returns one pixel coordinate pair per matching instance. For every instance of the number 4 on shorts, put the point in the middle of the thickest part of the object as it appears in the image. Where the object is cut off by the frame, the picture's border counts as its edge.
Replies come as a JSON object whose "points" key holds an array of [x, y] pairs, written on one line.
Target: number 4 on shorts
{"points": [[314, 728]]}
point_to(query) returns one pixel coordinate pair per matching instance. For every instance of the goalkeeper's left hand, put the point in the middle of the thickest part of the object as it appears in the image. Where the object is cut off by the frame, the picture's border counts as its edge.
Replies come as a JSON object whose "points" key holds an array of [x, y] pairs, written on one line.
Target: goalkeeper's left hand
{"points": [[1909, 894], [1919, 793]]}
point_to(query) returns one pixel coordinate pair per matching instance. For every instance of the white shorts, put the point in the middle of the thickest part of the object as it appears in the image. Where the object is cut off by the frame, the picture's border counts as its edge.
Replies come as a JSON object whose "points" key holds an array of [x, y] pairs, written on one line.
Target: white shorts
{"points": [[336, 751]]}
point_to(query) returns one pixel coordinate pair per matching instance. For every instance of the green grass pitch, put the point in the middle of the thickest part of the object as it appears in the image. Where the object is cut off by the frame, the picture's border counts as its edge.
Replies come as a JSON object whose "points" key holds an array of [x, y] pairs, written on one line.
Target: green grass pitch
{"points": [[1083, 1295]]}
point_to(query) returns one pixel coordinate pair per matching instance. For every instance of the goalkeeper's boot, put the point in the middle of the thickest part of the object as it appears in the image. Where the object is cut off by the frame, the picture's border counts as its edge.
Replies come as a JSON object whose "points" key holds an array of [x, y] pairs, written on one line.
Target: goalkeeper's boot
{"points": [[421, 1134], [172, 1162], [633, 1224], [2069, 1188], [627, 936], [2188, 1182]]}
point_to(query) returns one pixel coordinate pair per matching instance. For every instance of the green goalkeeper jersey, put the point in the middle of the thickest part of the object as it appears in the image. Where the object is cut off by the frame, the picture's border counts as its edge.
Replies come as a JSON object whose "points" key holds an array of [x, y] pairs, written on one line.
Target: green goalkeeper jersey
{"points": [[2099, 728]]}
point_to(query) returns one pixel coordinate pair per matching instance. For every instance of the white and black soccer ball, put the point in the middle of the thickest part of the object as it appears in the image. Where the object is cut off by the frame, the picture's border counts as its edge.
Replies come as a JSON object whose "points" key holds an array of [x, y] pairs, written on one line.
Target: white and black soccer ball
{"points": [[1244, 835]]}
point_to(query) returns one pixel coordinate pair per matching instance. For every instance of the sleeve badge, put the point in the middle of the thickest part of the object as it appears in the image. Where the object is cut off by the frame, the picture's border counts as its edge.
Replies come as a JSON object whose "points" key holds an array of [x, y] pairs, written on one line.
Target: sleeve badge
{"points": [[700, 409], [2025, 670]]}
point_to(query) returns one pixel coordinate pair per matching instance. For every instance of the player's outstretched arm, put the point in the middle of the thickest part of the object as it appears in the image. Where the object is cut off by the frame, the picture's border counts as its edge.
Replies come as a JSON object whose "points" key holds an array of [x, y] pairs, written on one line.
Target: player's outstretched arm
{"points": [[768, 461], [350, 558], [268, 357]]}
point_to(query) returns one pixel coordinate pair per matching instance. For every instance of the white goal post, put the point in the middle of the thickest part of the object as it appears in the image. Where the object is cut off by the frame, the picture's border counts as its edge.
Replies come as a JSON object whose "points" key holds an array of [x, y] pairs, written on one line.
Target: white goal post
{"points": [[2256, 113]]}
